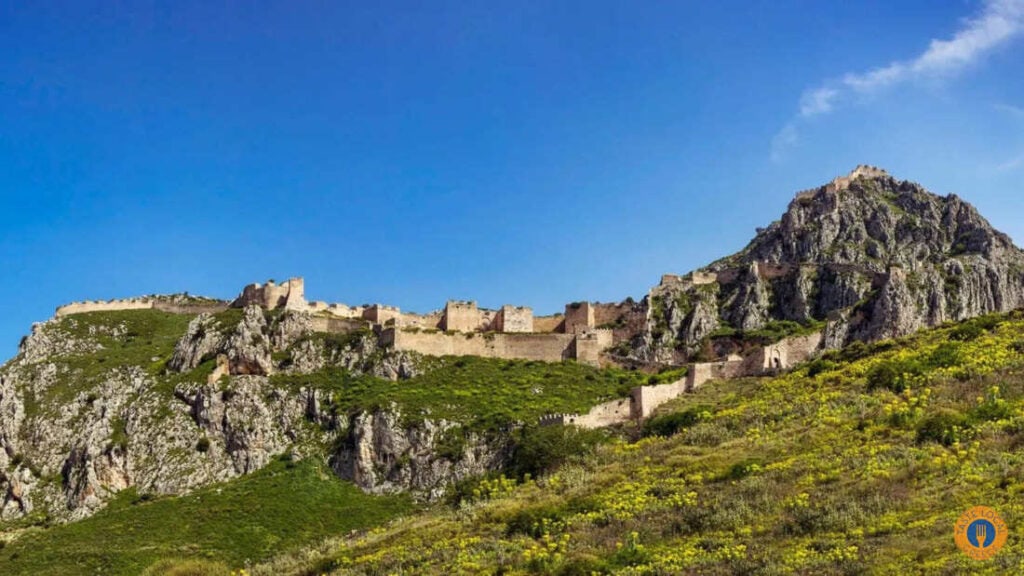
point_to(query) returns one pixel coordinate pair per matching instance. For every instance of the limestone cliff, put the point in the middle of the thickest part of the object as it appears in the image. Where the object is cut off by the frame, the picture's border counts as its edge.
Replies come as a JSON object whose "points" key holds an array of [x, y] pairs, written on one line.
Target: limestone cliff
{"points": [[867, 255], [73, 432]]}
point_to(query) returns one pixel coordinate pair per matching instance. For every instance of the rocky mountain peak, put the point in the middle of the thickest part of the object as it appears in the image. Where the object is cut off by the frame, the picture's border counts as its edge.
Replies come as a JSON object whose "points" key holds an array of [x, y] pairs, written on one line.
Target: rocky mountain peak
{"points": [[872, 220], [866, 255]]}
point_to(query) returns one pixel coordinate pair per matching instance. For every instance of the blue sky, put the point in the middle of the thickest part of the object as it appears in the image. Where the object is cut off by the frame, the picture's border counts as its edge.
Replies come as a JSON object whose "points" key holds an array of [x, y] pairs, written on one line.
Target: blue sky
{"points": [[523, 152]]}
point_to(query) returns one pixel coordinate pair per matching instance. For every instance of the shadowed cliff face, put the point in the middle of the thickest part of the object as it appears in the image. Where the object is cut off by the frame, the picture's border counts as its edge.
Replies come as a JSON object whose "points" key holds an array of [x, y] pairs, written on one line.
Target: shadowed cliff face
{"points": [[869, 256]]}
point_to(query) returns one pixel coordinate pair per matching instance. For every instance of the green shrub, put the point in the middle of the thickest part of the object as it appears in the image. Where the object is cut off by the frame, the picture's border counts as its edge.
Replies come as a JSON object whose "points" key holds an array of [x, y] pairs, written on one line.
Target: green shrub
{"points": [[893, 375], [538, 450], [992, 408], [670, 424], [532, 521], [974, 328], [820, 366], [945, 427], [203, 445], [946, 355]]}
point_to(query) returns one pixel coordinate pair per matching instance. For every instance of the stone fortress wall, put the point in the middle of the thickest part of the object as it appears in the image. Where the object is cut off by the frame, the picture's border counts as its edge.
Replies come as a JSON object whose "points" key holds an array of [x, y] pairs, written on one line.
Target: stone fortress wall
{"points": [[164, 304], [643, 400], [843, 182], [461, 328], [105, 306]]}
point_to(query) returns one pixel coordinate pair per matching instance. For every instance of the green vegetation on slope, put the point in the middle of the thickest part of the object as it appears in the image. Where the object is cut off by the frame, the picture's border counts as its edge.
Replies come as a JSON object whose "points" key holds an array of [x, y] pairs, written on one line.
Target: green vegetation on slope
{"points": [[858, 463], [481, 392], [279, 508], [142, 338]]}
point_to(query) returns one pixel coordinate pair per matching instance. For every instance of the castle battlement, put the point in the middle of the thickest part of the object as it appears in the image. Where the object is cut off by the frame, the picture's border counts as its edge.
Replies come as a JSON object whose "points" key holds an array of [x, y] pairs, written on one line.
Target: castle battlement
{"points": [[85, 306]]}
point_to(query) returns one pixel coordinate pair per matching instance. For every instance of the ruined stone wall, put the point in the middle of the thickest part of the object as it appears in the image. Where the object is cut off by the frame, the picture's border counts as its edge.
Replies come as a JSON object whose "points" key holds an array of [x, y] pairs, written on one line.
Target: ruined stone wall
{"points": [[290, 294], [579, 316], [430, 321], [843, 182], [192, 308], [608, 314], [553, 323], [703, 372], [773, 270], [606, 414], [703, 278], [543, 347], [338, 325], [105, 306], [647, 398], [379, 314], [784, 354], [589, 345], [514, 319]]}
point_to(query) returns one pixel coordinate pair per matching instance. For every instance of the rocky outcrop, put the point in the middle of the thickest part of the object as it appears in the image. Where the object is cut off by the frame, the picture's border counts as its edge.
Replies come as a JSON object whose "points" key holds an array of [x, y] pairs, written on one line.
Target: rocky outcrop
{"points": [[202, 340], [248, 347], [872, 256], [382, 455], [73, 435]]}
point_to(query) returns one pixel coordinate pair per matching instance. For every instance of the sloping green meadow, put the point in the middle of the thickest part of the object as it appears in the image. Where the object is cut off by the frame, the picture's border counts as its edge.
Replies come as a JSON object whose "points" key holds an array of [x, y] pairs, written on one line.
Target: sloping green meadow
{"points": [[858, 463], [277, 509]]}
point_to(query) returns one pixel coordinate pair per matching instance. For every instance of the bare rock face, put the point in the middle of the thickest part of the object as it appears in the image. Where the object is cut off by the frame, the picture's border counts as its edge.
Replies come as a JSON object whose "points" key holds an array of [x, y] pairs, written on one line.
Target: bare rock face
{"points": [[203, 340], [68, 444], [248, 348], [873, 256], [381, 455]]}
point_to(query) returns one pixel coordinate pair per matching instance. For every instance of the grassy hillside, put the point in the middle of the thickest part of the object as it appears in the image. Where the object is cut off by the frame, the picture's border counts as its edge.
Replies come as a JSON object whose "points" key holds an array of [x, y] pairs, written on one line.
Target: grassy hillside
{"points": [[277, 509], [481, 392], [858, 463]]}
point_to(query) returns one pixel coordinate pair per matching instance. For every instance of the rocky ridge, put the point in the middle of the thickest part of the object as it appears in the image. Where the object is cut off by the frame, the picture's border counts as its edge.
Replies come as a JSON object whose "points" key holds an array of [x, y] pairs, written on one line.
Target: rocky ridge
{"points": [[866, 257], [72, 436]]}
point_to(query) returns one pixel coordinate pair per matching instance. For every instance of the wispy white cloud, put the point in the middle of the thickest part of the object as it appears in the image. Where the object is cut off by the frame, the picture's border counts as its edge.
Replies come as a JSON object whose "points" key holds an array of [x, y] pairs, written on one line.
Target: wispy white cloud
{"points": [[1011, 164], [817, 101], [1015, 111], [999, 22], [783, 141]]}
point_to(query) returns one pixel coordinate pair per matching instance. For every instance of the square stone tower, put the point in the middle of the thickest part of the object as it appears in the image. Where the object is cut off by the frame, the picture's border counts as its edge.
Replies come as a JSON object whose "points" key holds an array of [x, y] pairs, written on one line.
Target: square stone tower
{"points": [[461, 316], [579, 317], [514, 319]]}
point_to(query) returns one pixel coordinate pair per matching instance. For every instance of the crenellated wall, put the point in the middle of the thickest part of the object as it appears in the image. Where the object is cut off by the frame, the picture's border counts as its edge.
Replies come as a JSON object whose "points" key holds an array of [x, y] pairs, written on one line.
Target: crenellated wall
{"points": [[105, 306]]}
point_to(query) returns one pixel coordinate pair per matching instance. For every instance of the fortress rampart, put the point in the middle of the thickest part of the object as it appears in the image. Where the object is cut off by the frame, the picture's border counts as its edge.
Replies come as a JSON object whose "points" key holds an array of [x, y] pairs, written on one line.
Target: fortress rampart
{"points": [[105, 306], [543, 347], [643, 400]]}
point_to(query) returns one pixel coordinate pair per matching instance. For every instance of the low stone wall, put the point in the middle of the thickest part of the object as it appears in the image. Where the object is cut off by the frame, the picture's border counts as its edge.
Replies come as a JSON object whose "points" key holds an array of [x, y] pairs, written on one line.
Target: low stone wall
{"points": [[197, 308], [543, 347], [703, 372], [107, 306], [647, 398], [551, 323], [607, 414], [338, 325]]}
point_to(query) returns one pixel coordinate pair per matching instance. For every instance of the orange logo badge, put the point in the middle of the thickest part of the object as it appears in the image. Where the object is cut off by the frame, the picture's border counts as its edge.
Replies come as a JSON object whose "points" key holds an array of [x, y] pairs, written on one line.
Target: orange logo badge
{"points": [[980, 532]]}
